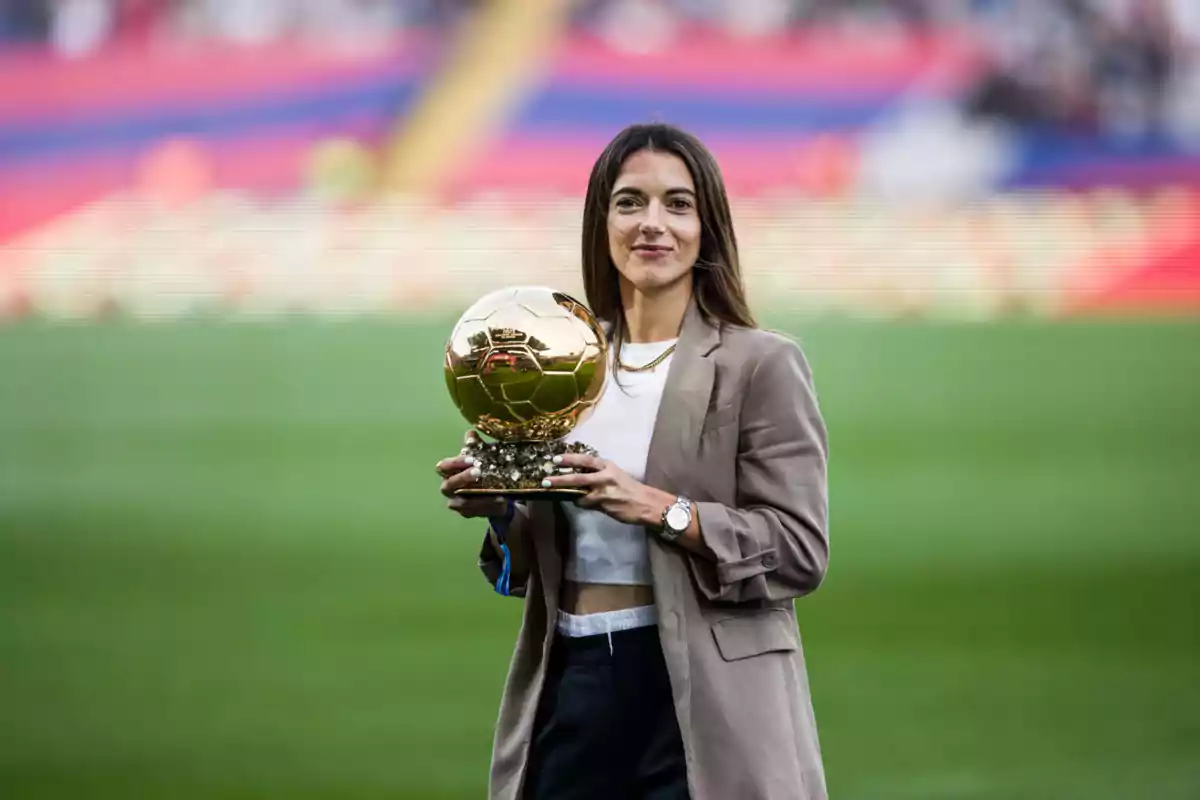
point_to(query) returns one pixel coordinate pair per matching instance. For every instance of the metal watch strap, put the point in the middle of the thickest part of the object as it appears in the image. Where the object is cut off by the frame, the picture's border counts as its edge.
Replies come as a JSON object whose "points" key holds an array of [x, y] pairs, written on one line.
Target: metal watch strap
{"points": [[666, 532]]}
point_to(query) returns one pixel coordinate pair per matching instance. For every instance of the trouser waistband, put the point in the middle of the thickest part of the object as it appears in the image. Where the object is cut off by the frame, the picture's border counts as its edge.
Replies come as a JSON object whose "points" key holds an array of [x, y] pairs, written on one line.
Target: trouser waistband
{"points": [[606, 622]]}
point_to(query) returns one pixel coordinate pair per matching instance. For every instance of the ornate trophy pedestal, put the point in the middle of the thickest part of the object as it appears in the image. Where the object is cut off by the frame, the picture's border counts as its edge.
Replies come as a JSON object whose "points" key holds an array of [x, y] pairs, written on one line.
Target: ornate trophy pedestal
{"points": [[517, 469]]}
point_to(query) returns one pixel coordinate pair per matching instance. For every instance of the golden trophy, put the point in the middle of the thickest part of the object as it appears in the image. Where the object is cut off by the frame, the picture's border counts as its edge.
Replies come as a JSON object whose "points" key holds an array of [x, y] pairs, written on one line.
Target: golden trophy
{"points": [[525, 365]]}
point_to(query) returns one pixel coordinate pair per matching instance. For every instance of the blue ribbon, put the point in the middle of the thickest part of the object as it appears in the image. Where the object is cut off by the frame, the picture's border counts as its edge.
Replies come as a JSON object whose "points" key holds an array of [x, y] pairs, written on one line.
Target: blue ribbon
{"points": [[500, 526]]}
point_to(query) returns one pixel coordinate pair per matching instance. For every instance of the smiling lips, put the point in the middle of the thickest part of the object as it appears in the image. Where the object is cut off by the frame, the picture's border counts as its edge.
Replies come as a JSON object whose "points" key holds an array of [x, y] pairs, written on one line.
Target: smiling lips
{"points": [[651, 250]]}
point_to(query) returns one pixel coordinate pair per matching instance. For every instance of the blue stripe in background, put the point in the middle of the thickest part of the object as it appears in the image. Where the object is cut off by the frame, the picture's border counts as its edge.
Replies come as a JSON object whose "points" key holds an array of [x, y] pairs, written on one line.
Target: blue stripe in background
{"points": [[387, 97], [560, 108]]}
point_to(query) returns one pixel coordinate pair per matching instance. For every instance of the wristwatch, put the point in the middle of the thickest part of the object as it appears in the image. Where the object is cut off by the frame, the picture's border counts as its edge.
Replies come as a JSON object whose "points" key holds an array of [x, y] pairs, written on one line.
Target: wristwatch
{"points": [[675, 519]]}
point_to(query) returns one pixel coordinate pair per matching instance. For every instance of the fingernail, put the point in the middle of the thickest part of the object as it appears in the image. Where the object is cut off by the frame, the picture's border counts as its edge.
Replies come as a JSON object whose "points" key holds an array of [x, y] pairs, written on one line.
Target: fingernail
{"points": [[557, 459], [470, 460], [475, 473], [546, 483]]}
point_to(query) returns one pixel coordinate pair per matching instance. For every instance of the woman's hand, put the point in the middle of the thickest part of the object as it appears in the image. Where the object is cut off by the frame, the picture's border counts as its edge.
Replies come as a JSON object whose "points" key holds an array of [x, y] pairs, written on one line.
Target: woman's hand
{"points": [[459, 472], [610, 489]]}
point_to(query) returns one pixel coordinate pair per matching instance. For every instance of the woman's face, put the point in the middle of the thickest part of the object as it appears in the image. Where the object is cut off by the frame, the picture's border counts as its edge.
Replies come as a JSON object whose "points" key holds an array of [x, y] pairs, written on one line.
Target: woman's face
{"points": [[653, 222]]}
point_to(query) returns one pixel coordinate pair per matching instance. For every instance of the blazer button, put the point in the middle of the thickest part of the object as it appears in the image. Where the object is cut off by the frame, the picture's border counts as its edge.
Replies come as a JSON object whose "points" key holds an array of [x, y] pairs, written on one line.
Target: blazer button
{"points": [[770, 560]]}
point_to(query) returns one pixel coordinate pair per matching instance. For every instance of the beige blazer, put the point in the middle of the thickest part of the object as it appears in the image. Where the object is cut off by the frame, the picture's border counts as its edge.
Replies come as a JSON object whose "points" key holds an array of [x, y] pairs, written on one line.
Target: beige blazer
{"points": [[740, 433]]}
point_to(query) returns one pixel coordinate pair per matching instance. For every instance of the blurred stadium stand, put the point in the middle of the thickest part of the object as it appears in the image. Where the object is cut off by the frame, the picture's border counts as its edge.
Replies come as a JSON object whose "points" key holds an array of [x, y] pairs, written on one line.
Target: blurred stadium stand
{"points": [[959, 157]]}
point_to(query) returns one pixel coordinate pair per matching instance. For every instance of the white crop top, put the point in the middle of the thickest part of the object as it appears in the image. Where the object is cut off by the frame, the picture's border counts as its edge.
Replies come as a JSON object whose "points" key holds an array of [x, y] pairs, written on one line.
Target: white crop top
{"points": [[604, 550]]}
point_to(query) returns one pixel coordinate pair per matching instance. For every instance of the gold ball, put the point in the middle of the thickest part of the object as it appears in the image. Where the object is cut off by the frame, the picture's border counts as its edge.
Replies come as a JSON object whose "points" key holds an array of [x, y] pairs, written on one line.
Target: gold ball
{"points": [[526, 363]]}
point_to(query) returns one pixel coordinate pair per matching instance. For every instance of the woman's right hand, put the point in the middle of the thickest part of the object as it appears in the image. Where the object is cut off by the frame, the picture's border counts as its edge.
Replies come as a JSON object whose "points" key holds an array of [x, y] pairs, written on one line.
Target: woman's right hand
{"points": [[459, 472]]}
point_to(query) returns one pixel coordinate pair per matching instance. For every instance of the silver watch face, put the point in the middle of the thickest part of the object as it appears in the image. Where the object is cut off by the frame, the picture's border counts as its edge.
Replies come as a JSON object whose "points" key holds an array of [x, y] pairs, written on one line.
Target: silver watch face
{"points": [[678, 518]]}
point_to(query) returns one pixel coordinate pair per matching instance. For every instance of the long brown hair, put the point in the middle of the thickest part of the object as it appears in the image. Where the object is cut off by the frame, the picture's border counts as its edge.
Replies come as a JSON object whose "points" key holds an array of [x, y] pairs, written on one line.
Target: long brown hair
{"points": [[716, 276]]}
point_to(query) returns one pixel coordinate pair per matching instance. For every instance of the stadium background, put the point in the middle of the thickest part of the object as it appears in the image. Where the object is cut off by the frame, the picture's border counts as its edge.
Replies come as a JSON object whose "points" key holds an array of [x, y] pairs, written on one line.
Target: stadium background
{"points": [[233, 237]]}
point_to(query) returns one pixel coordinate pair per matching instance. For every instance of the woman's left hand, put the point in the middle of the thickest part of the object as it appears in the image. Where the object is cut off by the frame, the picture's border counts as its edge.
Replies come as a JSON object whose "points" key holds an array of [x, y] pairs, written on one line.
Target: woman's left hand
{"points": [[610, 489]]}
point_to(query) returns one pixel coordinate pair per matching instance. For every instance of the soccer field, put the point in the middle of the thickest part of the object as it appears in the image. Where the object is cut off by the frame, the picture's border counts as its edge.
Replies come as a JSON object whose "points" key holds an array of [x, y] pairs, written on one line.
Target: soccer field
{"points": [[225, 570]]}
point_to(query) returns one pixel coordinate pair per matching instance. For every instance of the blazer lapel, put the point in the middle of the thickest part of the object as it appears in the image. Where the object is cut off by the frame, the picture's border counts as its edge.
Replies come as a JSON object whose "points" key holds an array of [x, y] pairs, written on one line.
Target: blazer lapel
{"points": [[676, 438], [674, 446]]}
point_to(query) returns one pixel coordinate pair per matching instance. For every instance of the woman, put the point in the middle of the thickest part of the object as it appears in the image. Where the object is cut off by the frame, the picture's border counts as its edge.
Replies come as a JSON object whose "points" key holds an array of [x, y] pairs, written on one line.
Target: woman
{"points": [[659, 655]]}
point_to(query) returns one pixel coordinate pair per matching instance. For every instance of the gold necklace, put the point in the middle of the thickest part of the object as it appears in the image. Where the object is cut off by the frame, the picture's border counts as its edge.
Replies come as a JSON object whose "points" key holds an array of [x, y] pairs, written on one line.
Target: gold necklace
{"points": [[647, 367]]}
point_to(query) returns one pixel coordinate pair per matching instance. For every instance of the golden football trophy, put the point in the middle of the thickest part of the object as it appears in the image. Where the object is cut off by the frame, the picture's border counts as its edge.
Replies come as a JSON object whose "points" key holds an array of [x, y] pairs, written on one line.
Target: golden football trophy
{"points": [[525, 365]]}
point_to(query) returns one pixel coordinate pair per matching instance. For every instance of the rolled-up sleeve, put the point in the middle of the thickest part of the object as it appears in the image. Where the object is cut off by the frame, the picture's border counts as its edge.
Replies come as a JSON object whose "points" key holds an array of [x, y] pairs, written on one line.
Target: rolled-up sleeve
{"points": [[774, 543]]}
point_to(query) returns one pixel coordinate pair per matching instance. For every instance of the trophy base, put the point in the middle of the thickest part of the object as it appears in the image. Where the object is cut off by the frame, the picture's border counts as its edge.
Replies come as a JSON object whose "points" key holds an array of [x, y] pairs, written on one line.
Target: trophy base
{"points": [[516, 469], [525, 494]]}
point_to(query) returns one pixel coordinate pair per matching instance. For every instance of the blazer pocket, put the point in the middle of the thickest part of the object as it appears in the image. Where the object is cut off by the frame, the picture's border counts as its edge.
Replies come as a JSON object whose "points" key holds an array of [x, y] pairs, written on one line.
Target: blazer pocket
{"points": [[720, 417], [755, 633]]}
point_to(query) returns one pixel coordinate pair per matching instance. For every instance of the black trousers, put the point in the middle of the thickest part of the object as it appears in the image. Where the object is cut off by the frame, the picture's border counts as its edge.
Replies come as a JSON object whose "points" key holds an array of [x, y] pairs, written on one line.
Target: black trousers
{"points": [[606, 725]]}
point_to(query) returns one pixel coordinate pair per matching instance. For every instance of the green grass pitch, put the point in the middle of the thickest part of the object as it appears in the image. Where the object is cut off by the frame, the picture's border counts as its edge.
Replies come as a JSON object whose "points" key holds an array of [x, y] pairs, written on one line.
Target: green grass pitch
{"points": [[225, 571]]}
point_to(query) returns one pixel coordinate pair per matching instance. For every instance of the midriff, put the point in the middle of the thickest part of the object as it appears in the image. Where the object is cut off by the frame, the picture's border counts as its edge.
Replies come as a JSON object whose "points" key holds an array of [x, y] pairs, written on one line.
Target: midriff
{"points": [[596, 598]]}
